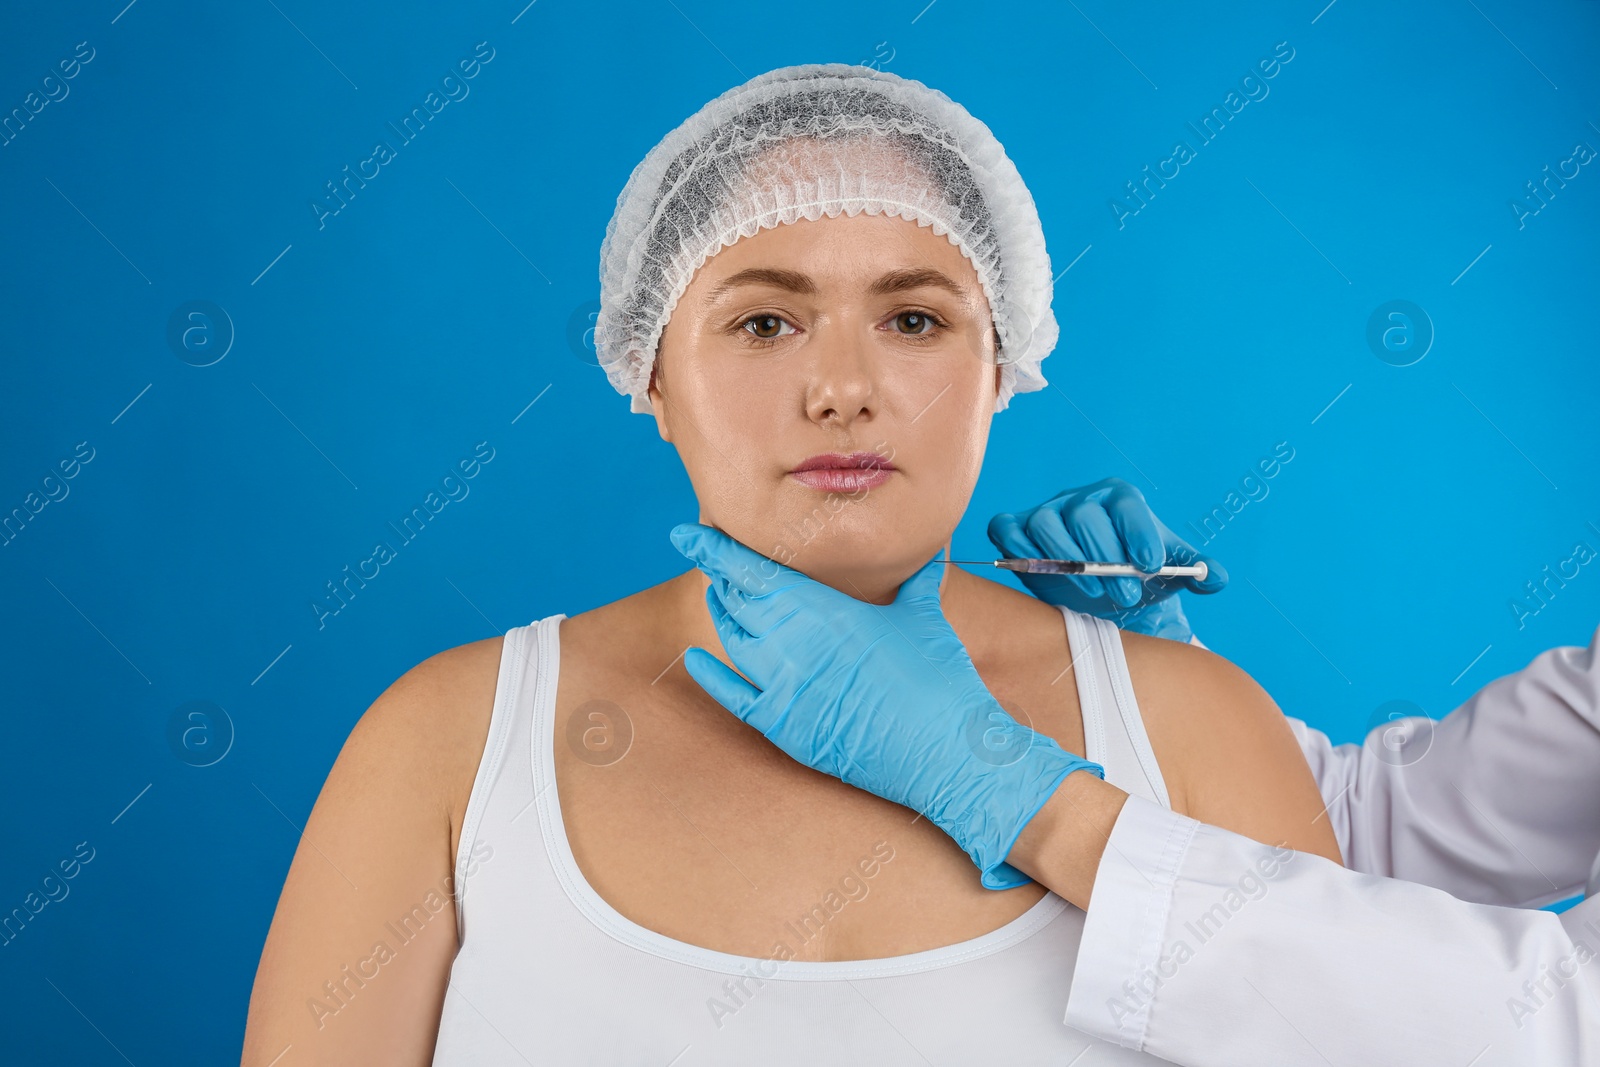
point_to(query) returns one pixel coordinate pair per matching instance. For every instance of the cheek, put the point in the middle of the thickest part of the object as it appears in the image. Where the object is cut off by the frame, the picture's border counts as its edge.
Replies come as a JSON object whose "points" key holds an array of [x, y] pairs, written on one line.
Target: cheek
{"points": [[728, 406], [964, 442], [952, 413], [717, 422], [943, 450], [956, 446]]}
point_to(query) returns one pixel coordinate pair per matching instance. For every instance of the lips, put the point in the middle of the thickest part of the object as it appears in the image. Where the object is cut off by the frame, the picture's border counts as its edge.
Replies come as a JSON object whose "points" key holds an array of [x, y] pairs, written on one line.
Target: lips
{"points": [[835, 472]]}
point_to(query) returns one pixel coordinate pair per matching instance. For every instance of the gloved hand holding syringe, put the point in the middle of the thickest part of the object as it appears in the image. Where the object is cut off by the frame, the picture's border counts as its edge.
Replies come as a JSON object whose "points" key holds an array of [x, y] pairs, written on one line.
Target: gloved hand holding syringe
{"points": [[1090, 568]]}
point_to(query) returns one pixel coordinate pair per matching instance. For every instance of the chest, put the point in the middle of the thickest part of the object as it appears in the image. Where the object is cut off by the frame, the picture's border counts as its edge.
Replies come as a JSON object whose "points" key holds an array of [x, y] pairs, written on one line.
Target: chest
{"points": [[693, 825]]}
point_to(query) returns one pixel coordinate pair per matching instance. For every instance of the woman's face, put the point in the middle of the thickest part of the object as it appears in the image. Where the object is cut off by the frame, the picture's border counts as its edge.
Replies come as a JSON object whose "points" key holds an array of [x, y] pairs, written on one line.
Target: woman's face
{"points": [[863, 346]]}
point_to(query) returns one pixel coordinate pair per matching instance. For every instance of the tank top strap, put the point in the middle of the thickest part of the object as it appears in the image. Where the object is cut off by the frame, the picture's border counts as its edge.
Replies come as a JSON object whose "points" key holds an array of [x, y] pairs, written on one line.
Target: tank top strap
{"points": [[1113, 728], [503, 790]]}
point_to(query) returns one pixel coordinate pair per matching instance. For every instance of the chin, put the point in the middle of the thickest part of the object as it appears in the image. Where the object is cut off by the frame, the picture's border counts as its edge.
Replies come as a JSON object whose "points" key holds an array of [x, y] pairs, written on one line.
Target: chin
{"points": [[868, 550], [872, 541]]}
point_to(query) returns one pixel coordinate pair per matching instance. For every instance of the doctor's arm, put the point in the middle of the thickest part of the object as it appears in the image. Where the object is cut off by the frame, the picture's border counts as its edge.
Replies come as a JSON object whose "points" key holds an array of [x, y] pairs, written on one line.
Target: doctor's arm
{"points": [[1498, 802], [1205, 947]]}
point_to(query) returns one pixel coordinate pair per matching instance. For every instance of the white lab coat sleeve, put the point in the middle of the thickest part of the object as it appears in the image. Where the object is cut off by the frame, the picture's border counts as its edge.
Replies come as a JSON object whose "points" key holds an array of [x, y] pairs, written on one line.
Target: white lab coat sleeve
{"points": [[1497, 803], [1205, 948]]}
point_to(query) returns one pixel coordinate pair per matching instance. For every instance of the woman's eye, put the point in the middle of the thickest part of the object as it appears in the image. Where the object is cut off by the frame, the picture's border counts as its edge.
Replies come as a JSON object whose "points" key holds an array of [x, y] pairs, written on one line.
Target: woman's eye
{"points": [[914, 323], [765, 327]]}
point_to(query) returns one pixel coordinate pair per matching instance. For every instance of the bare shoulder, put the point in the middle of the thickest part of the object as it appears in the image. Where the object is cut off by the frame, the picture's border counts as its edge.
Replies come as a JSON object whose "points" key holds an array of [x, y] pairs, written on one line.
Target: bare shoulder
{"points": [[1224, 746], [434, 720], [379, 843]]}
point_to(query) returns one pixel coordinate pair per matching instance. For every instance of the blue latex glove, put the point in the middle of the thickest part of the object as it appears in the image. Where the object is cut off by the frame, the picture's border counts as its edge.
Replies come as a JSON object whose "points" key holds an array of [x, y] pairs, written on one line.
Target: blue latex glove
{"points": [[884, 698], [1107, 521]]}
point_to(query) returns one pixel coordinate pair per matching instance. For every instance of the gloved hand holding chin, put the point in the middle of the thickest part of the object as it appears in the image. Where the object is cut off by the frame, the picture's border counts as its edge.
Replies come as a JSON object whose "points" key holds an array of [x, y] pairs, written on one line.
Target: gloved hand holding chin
{"points": [[882, 697]]}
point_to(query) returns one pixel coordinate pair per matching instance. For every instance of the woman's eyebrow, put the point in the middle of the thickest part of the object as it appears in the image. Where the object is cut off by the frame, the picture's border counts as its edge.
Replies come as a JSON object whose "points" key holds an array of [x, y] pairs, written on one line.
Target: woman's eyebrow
{"points": [[914, 278], [796, 282], [792, 280]]}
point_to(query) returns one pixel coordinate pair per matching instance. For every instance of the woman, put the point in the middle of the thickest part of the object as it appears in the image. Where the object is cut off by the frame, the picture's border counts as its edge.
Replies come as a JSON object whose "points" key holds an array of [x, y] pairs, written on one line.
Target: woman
{"points": [[822, 286]]}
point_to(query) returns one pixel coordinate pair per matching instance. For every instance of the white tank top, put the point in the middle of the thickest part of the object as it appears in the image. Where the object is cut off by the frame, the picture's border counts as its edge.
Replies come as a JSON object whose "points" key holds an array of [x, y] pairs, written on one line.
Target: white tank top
{"points": [[548, 972]]}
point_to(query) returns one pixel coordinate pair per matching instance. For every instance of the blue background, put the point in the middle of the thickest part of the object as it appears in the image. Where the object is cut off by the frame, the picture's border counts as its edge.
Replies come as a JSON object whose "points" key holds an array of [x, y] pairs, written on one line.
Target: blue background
{"points": [[373, 352]]}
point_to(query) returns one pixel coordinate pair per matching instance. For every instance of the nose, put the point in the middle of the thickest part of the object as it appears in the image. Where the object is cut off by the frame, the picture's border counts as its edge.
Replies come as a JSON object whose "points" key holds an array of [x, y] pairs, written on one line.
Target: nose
{"points": [[842, 388]]}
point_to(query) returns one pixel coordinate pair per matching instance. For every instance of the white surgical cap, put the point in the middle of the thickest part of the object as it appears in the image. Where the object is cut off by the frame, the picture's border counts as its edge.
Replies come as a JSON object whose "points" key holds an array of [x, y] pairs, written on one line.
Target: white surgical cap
{"points": [[874, 143]]}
